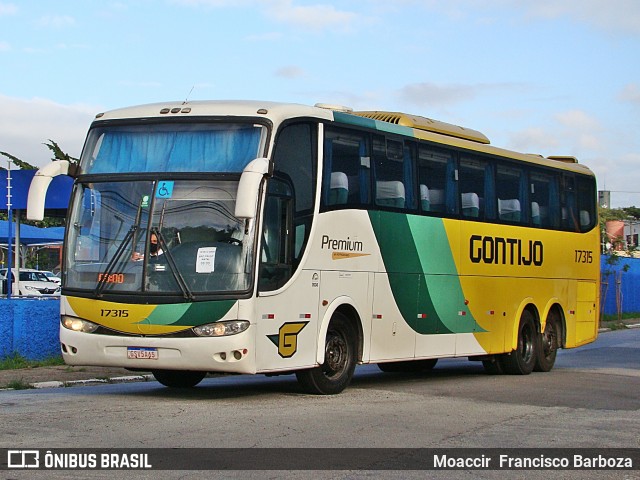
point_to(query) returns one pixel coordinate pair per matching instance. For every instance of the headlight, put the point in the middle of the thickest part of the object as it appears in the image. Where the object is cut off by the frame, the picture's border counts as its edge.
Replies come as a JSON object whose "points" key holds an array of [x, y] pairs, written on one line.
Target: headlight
{"points": [[221, 329], [78, 325], [30, 287]]}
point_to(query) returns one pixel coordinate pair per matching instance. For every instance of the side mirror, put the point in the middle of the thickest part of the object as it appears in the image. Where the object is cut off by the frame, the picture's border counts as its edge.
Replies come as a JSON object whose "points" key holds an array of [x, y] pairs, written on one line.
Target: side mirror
{"points": [[40, 185], [249, 187]]}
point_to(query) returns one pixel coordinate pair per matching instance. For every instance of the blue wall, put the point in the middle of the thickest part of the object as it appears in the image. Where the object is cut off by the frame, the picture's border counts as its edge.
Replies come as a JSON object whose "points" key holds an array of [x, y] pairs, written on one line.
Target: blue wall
{"points": [[30, 327], [630, 285]]}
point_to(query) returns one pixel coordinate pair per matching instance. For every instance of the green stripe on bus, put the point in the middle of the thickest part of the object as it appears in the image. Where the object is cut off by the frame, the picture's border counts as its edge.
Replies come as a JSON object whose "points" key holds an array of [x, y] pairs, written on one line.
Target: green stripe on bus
{"points": [[422, 273], [190, 314]]}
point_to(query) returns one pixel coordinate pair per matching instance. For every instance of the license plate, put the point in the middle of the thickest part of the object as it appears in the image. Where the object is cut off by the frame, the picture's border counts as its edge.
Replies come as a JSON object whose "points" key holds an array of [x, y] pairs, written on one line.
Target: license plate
{"points": [[146, 353]]}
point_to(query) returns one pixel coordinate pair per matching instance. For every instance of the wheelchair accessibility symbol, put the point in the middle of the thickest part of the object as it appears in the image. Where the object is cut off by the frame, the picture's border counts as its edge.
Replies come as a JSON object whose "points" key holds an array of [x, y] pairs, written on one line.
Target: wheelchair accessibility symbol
{"points": [[165, 189]]}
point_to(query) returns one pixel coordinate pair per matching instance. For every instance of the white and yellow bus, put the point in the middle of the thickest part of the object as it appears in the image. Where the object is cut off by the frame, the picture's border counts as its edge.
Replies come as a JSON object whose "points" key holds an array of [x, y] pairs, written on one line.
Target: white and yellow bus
{"points": [[254, 237]]}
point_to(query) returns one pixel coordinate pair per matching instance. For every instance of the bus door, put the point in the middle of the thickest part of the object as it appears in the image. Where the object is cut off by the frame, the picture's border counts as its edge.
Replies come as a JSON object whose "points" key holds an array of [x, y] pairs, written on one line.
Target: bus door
{"points": [[286, 311]]}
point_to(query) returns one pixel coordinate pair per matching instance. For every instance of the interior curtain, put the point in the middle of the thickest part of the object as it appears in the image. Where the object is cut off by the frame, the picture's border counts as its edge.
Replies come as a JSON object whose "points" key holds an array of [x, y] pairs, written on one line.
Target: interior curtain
{"points": [[212, 150]]}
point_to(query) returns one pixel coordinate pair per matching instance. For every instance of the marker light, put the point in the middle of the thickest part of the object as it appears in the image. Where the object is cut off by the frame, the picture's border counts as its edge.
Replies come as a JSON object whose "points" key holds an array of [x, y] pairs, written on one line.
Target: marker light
{"points": [[221, 329], [78, 325]]}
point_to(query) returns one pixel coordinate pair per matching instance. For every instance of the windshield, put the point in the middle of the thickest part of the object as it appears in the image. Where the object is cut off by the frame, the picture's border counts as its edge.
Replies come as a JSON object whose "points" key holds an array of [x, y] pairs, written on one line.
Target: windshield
{"points": [[169, 147], [158, 237]]}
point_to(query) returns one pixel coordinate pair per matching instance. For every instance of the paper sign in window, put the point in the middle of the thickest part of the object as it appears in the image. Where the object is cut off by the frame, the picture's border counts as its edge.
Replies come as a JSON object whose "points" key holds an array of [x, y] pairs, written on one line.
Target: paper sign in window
{"points": [[206, 260]]}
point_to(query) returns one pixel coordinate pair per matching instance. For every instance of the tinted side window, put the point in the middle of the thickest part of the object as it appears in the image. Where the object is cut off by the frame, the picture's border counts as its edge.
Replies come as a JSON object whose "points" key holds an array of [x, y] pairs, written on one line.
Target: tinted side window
{"points": [[587, 214], [347, 169], [433, 174], [511, 194], [569, 204], [471, 187], [394, 184]]}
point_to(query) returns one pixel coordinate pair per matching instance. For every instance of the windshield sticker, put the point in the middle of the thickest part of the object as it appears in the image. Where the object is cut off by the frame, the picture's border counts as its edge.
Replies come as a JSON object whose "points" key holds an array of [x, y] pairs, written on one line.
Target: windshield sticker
{"points": [[145, 201], [165, 189], [205, 260]]}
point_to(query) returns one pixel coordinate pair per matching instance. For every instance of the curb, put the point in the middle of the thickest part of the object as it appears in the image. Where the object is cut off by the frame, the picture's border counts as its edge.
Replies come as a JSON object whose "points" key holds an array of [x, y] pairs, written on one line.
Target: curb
{"points": [[629, 326], [93, 381]]}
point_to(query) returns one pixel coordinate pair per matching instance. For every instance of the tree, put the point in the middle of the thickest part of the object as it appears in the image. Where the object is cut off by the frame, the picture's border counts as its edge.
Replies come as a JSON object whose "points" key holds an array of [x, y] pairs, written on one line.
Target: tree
{"points": [[633, 212], [58, 154], [21, 164]]}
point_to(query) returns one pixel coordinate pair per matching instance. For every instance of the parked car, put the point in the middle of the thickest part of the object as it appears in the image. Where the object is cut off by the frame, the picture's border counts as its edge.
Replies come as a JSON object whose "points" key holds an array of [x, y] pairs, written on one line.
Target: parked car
{"points": [[52, 277], [31, 282]]}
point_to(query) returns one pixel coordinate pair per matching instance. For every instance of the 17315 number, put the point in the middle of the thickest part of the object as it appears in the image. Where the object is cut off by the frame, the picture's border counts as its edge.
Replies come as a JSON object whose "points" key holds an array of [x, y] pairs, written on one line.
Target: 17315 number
{"points": [[584, 256]]}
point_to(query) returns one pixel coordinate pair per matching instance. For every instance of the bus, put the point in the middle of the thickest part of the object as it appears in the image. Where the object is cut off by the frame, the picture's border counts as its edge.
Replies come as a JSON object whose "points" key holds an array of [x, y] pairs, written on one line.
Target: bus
{"points": [[269, 238]]}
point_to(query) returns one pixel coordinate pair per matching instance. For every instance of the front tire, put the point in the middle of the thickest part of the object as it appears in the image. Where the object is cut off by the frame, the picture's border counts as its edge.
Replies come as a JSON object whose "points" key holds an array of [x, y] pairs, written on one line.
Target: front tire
{"points": [[522, 360], [335, 374], [178, 378]]}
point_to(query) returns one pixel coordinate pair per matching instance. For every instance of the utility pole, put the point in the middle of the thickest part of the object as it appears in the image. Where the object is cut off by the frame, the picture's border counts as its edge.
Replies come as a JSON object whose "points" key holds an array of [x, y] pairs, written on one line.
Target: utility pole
{"points": [[9, 229]]}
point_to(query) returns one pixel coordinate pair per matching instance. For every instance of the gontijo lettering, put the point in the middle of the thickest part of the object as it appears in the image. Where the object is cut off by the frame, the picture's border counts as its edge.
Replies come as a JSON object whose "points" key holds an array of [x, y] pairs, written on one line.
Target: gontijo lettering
{"points": [[505, 251]]}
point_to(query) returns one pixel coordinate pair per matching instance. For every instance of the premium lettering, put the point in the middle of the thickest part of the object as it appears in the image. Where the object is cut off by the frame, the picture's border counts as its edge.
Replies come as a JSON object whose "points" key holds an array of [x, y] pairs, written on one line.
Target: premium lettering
{"points": [[347, 245], [505, 251]]}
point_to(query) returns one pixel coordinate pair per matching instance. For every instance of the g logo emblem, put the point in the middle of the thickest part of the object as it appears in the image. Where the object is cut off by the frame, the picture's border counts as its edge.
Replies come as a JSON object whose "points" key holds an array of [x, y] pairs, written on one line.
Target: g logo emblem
{"points": [[287, 338]]}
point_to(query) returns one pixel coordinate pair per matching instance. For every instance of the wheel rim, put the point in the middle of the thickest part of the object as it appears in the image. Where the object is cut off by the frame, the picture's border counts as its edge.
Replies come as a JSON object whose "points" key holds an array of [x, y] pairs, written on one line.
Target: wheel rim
{"points": [[549, 340], [527, 343], [335, 355]]}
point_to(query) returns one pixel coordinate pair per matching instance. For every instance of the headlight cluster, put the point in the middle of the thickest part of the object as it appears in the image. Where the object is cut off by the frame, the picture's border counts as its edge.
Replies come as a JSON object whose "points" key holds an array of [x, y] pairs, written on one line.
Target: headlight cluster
{"points": [[221, 329], [78, 325]]}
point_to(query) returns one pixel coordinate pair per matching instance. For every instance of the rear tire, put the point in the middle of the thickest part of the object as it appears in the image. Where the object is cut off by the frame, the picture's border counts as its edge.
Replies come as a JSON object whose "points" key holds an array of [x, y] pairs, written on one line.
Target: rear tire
{"points": [[178, 378], [549, 342], [335, 374], [522, 360]]}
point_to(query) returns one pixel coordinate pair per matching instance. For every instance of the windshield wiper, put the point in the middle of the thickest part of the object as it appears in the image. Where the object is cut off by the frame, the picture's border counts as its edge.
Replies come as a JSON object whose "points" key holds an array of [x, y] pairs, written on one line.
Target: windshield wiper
{"points": [[173, 266], [131, 234]]}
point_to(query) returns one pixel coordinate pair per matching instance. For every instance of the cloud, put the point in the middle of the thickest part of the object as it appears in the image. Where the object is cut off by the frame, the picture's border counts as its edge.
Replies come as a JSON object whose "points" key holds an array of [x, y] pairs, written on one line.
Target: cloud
{"points": [[264, 37], [56, 21], [318, 17], [314, 17], [8, 9], [614, 16], [572, 132], [290, 72], [534, 140], [630, 94], [211, 3], [433, 95], [27, 124], [5, 46], [584, 131], [577, 120]]}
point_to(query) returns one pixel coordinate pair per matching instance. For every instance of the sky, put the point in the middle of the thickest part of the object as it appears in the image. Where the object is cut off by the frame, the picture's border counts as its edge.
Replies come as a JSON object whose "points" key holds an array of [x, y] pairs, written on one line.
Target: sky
{"points": [[551, 77]]}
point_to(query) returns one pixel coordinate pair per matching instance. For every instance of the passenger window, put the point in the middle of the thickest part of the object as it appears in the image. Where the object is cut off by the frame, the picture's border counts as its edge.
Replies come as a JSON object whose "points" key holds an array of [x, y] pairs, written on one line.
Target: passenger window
{"points": [[394, 173], [544, 201], [432, 179], [586, 204], [511, 195], [347, 169], [471, 185], [569, 205]]}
